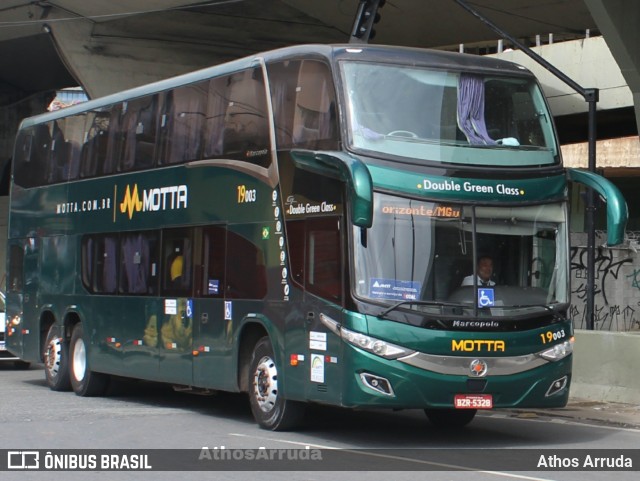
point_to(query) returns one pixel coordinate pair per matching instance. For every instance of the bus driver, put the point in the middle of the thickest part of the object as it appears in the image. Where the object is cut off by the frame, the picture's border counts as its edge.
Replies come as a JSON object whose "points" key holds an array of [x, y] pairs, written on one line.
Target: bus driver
{"points": [[484, 270]]}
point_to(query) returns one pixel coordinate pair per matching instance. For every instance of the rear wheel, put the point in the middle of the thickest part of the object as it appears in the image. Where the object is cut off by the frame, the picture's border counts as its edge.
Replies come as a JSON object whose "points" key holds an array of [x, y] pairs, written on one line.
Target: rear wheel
{"points": [[268, 406], [56, 361], [450, 418], [84, 381]]}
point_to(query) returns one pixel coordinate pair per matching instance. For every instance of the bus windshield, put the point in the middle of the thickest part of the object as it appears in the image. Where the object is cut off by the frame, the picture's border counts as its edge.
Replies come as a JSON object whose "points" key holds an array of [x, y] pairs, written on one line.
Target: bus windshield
{"points": [[421, 254], [444, 116]]}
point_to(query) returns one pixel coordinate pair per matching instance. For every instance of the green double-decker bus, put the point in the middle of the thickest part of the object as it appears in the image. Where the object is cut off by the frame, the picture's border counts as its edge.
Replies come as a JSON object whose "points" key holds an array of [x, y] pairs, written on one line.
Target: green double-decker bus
{"points": [[358, 226]]}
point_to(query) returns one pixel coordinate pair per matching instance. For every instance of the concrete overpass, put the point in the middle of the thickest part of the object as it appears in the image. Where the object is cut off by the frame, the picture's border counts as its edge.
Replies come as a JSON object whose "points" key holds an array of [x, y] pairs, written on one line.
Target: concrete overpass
{"points": [[106, 46]]}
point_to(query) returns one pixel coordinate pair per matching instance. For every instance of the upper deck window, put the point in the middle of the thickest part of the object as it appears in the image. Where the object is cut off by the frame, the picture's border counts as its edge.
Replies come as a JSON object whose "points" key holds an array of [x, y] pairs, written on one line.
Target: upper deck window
{"points": [[446, 116], [304, 105]]}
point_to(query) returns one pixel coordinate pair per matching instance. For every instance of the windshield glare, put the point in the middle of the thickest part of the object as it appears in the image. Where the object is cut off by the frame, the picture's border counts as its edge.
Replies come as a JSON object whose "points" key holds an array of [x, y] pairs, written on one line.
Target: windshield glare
{"points": [[442, 116], [423, 252]]}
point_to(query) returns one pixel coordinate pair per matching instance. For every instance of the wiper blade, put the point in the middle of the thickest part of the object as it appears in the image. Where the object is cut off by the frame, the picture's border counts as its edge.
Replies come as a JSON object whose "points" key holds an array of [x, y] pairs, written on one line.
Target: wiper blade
{"points": [[522, 306], [546, 307], [421, 303]]}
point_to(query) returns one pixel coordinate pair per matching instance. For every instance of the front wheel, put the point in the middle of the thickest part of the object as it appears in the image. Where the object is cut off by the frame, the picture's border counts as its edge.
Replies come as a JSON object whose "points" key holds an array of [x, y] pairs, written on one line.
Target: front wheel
{"points": [[84, 381], [268, 406], [450, 418], [55, 356]]}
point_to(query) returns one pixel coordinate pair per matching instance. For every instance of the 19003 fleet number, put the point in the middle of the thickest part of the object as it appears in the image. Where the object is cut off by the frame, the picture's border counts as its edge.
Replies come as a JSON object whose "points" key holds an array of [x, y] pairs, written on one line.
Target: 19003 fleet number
{"points": [[551, 336]]}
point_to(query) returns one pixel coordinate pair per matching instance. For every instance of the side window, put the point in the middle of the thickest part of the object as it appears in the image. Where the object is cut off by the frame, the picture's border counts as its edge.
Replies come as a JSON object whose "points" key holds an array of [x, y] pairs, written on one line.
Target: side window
{"points": [[74, 128], [138, 133], [211, 281], [59, 153], [324, 260], [304, 104], [94, 149], [131, 141], [296, 243], [87, 260], [115, 138], [106, 278], [29, 156], [246, 276], [49, 153], [15, 278], [283, 80], [315, 256], [246, 128], [177, 255], [60, 156], [100, 263], [217, 101], [315, 113], [182, 124], [138, 263]]}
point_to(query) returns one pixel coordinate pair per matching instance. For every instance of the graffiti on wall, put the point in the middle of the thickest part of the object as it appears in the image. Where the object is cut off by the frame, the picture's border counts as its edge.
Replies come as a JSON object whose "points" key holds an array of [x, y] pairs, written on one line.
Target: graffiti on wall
{"points": [[616, 308]]}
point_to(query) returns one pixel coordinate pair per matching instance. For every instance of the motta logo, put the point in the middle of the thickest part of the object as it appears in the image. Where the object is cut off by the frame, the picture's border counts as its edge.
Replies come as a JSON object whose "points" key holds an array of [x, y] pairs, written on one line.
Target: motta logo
{"points": [[472, 345], [171, 197]]}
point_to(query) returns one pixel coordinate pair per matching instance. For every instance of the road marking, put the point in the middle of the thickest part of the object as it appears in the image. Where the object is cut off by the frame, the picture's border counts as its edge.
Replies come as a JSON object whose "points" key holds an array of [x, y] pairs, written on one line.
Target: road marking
{"points": [[583, 422], [401, 458]]}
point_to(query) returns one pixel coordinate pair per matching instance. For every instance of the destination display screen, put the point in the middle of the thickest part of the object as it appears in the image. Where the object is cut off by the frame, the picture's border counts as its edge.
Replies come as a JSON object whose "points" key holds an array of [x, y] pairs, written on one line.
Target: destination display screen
{"points": [[423, 210]]}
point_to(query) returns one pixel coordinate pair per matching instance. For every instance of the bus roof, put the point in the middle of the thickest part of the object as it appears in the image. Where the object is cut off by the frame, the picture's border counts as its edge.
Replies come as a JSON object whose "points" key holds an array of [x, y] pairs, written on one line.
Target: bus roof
{"points": [[366, 53]]}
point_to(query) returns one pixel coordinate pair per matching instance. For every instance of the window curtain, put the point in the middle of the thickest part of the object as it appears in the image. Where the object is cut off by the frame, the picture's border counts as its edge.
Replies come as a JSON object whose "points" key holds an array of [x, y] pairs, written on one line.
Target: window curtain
{"points": [[471, 109], [136, 264], [109, 279]]}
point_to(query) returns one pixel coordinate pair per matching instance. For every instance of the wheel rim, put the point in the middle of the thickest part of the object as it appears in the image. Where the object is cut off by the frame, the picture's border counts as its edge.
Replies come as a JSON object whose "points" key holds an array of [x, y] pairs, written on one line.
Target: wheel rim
{"points": [[79, 360], [265, 384], [53, 357]]}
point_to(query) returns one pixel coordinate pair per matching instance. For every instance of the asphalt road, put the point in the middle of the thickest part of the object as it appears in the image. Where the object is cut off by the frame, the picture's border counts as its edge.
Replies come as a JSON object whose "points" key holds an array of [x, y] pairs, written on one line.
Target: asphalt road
{"points": [[144, 416]]}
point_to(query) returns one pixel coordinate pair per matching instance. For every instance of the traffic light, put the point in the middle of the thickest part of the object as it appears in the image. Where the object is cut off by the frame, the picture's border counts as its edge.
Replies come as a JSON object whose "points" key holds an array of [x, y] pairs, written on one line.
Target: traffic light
{"points": [[366, 17]]}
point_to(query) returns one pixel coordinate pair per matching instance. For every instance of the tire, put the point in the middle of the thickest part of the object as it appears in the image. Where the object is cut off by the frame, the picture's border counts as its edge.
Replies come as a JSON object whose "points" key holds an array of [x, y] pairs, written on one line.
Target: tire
{"points": [[55, 357], [84, 381], [450, 418], [270, 410]]}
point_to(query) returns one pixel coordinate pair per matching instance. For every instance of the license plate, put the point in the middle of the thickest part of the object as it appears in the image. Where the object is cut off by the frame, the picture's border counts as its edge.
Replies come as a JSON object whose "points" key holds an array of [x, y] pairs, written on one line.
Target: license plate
{"points": [[473, 401]]}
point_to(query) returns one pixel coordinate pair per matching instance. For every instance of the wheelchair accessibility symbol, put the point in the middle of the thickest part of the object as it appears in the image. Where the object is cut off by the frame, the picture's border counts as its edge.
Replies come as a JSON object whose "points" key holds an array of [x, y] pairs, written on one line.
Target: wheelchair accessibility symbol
{"points": [[486, 297]]}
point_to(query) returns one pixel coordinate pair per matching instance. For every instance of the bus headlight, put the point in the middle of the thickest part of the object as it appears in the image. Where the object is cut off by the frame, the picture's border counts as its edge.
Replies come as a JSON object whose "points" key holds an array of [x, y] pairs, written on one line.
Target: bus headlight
{"points": [[376, 346], [557, 352], [370, 344]]}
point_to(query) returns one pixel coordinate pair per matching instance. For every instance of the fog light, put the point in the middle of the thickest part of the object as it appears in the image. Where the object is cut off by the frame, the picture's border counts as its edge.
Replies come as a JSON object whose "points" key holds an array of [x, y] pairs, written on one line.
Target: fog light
{"points": [[557, 386], [377, 383]]}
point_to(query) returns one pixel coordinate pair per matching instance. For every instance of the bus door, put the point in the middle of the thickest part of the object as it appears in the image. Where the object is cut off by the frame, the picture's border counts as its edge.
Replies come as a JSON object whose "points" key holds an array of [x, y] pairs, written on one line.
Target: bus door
{"points": [[316, 259], [176, 312], [211, 324], [22, 291], [314, 190]]}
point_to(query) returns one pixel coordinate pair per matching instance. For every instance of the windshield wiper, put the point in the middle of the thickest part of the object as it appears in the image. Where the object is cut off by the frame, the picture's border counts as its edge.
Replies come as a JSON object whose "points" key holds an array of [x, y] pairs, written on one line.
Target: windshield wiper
{"points": [[421, 303], [546, 307]]}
